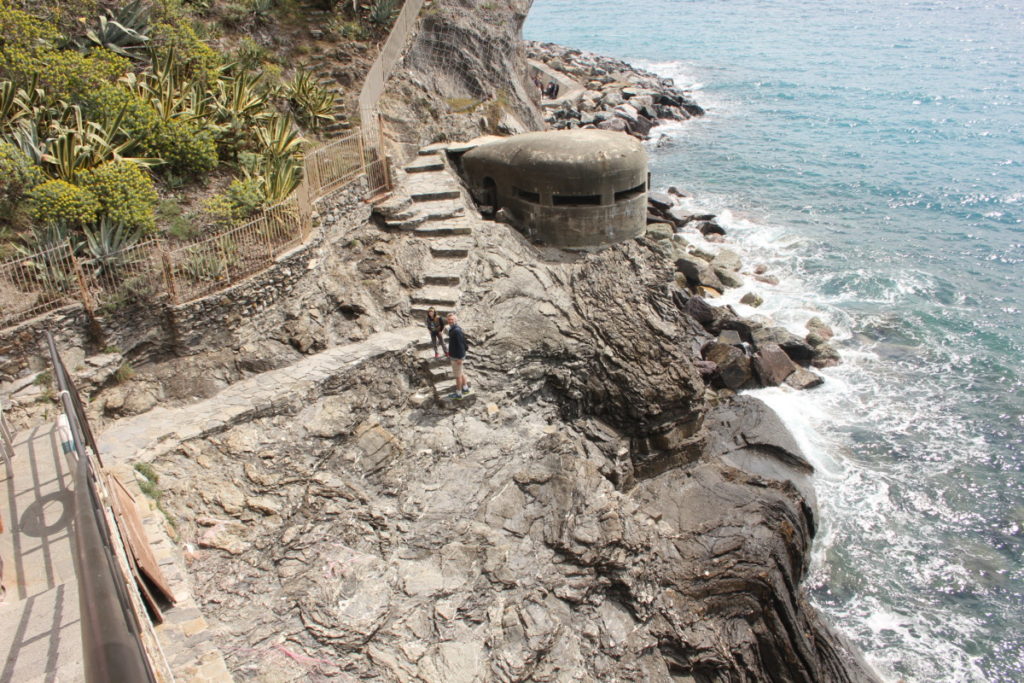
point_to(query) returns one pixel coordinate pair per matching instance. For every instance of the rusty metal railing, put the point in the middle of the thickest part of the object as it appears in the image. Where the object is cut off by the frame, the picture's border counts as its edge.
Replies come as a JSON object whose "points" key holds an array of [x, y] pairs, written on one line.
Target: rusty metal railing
{"points": [[111, 632]]}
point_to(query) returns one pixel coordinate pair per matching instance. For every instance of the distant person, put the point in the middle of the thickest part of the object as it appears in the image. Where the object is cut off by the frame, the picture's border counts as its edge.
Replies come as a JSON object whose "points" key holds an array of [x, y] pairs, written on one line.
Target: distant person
{"points": [[435, 324], [457, 348]]}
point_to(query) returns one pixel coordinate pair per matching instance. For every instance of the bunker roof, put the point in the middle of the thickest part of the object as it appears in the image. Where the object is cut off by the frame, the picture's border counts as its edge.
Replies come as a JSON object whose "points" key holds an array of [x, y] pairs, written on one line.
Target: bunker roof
{"points": [[552, 151]]}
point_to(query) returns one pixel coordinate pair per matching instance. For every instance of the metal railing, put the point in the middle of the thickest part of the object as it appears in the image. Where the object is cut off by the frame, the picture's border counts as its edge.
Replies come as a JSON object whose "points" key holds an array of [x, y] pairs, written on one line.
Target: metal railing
{"points": [[112, 646], [378, 174], [6, 446]]}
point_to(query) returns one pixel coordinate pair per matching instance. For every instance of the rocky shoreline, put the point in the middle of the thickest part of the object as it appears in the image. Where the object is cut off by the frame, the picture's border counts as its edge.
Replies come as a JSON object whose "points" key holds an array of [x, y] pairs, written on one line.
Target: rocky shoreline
{"points": [[747, 352], [616, 95], [605, 506]]}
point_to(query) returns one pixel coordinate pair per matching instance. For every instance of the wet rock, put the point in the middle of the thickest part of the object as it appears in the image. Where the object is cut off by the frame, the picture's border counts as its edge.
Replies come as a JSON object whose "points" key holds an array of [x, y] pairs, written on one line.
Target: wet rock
{"points": [[752, 299], [817, 326], [660, 202], [729, 278], [709, 227], [772, 365], [825, 356], [734, 367], [728, 260], [796, 348], [698, 272], [802, 378]]}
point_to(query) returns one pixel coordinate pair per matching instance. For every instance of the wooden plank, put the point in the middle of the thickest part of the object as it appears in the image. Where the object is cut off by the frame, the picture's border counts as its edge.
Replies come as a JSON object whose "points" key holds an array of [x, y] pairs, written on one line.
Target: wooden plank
{"points": [[131, 529]]}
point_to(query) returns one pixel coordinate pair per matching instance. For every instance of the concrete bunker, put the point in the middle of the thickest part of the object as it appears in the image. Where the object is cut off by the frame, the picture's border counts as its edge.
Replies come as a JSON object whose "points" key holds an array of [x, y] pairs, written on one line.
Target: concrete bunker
{"points": [[567, 188]]}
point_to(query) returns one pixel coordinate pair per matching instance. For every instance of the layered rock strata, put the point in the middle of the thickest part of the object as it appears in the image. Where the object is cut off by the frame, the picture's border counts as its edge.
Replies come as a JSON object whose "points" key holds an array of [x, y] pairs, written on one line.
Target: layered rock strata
{"points": [[596, 514]]}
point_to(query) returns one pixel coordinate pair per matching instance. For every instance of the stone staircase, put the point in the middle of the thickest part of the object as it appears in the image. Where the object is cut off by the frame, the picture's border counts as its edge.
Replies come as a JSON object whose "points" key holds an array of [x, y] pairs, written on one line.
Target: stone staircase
{"points": [[320, 65], [429, 203]]}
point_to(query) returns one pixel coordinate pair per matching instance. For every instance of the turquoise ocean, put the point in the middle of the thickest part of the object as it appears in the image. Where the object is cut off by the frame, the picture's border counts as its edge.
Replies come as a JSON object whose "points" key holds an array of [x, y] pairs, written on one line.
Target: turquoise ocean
{"points": [[872, 155]]}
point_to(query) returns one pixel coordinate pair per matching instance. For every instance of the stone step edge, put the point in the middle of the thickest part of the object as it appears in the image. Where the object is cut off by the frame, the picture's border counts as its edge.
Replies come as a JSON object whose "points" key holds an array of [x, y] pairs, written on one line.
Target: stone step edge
{"points": [[435, 196]]}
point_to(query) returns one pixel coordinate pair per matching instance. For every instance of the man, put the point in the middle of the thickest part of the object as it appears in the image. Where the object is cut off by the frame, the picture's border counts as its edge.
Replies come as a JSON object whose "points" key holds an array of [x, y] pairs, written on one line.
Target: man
{"points": [[457, 348]]}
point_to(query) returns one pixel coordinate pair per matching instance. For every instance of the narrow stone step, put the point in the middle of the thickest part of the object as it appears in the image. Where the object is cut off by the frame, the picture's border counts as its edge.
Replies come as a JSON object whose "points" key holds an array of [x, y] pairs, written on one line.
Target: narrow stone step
{"points": [[440, 210], [444, 295], [442, 305], [433, 149], [443, 228], [435, 195], [441, 372], [406, 224], [449, 251], [447, 279], [426, 356], [419, 311], [428, 164]]}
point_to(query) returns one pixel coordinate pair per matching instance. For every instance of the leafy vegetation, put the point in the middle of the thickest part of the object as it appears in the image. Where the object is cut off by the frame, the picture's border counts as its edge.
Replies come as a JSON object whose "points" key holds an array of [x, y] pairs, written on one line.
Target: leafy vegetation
{"points": [[119, 120]]}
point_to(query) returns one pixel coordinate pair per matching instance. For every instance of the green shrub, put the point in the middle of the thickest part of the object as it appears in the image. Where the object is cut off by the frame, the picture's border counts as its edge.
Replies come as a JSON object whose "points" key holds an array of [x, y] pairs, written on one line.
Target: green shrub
{"points": [[22, 30], [58, 201], [219, 213], [66, 75], [126, 193], [196, 59], [187, 147], [18, 174], [246, 196]]}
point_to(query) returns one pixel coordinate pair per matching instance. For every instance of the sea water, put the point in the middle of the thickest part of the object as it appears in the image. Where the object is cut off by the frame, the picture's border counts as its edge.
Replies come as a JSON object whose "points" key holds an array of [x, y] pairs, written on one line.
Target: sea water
{"points": [[871, 154]]}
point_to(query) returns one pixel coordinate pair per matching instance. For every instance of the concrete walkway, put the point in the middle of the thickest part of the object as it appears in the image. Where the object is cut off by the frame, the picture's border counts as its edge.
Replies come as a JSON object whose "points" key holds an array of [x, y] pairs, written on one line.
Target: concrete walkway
{"points": [[126, 440], [39, 624], [568, 89]]}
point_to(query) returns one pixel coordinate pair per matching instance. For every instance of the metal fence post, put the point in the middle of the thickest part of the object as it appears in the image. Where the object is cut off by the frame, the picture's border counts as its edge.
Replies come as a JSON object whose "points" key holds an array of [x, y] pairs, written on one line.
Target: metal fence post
{"points": [[83, 285], [168, 267]]}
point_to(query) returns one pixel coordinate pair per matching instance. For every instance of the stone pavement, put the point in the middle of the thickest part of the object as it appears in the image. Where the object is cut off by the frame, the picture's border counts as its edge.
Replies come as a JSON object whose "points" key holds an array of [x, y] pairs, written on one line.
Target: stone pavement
{"points": [[185, 640], [39, 623], [136, 438]]}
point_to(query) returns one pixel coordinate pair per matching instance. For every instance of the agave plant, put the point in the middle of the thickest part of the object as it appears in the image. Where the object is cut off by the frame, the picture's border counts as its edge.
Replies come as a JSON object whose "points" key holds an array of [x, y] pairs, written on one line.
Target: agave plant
{"points": [[106, 243], [279, 139], [382, 12], [237, 104], [312, 104], [82, 144], [280, 178], [25, 137], [122, 33]]}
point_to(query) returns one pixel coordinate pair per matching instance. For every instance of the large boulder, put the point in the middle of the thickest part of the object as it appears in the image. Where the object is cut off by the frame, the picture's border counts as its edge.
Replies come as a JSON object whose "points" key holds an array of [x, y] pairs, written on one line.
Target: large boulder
{"points": [[727, 259], [772, 365], [795, 347], [802, 378], [698, 272], [734, 367]]}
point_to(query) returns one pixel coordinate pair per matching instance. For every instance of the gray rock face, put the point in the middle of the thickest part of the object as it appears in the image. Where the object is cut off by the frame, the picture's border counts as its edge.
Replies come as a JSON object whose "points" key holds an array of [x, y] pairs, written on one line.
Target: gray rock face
{"points": [[583, 521]]}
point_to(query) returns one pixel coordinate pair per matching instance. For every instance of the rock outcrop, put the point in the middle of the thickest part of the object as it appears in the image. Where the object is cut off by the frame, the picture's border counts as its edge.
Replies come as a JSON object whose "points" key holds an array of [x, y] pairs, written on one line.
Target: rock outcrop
{"points": [[591, 516]]}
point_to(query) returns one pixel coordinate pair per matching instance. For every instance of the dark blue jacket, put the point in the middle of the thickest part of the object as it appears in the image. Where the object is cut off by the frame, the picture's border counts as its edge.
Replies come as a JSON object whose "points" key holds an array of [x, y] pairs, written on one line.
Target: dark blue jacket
{"points": [[457, 346]]}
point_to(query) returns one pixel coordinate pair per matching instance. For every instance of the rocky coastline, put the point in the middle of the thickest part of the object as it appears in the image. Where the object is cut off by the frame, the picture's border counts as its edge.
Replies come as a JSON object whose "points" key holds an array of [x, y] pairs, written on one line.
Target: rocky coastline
{"points": [[615, 95], [606, 506]]}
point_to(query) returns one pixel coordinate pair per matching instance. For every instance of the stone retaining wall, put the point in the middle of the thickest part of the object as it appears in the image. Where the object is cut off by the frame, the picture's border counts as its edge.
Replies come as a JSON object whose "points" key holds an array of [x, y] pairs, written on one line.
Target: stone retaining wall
{"points": [[147, 331]]}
